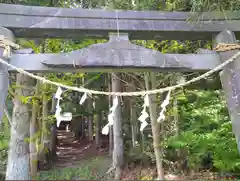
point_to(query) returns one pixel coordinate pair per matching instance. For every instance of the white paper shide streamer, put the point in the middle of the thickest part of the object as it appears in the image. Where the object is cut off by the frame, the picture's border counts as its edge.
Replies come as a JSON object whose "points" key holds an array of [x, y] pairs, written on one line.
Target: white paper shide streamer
{"points": [[144, 115], [161, 117], [67, 116], [105, 129], [58, 93], [84, 98]]}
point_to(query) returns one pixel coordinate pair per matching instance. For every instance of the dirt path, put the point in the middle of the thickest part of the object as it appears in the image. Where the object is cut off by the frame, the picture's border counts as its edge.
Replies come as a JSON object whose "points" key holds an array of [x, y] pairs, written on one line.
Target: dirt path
{"points": [[77, 160], [71, 151]]}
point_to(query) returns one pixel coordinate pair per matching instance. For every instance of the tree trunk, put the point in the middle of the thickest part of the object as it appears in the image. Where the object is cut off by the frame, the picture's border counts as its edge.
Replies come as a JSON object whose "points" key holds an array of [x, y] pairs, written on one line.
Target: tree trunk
{"points": [[98, 122], [76, 125], [33, 130], [45, 154], [177, 132], [110, 128], [90, 119], [176, 116], [82, 125], [133, 115], [118, 149], [155, 125], [83, 120], [53, 107], [18, 155], [126, 126], [54, 139]]}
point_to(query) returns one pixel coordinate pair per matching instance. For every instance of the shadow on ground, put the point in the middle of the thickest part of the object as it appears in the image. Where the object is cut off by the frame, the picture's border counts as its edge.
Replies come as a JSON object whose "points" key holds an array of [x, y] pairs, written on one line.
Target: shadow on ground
{"points": [[77, 160]]}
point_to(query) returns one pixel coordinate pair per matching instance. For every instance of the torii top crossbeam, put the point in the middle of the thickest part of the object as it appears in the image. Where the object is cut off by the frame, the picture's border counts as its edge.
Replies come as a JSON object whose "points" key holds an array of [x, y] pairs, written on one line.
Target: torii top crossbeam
{"points": [[40, 22]]}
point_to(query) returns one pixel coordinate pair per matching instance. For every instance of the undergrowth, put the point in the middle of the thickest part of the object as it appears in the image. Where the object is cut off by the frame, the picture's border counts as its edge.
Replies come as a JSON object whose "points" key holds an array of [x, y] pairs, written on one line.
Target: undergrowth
{"points": [[91, 169]]}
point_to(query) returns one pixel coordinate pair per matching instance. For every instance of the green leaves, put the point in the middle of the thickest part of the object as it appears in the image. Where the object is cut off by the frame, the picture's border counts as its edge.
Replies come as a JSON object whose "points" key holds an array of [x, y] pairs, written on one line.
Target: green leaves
{"points": [[206, 129], [178, 144], [4, 141]]}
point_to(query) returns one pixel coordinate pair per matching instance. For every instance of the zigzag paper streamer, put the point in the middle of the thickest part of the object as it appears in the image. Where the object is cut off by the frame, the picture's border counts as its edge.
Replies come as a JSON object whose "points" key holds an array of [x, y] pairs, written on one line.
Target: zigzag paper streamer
{"points": [[164, 104], [144, 115], [105, 129], [61, 117]]}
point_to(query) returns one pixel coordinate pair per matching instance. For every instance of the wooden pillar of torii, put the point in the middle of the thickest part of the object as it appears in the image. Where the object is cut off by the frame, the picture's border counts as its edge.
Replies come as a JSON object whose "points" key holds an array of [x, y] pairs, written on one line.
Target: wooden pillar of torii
{"points": [[18, 154], [6, 38], [230, 78]]}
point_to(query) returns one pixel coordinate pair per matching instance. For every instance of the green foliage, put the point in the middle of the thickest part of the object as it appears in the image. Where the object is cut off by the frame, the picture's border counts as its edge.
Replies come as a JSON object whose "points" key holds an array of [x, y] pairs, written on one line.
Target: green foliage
{"points": [[4, 141], [215, 5], [206, 129]]}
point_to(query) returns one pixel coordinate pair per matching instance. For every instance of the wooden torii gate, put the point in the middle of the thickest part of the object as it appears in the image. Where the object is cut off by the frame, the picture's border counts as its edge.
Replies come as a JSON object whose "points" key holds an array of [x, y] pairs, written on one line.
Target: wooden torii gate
{"points": [[118, 54]]}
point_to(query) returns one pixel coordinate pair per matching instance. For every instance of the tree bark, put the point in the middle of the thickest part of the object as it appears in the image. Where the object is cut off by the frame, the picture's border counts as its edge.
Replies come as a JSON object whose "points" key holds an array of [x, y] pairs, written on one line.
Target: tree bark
{"points": [[54, 139], [46, 140], [82, 126], [33, 130], [155, 125], [133, 115], [90, 119], [110, 128], [18, 155], [53, 107], [76, 125], [118, 149], [98, 122]]}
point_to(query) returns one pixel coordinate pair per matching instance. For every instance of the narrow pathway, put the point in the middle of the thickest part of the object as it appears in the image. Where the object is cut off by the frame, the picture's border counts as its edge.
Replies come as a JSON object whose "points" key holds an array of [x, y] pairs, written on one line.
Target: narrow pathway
{"points": [[71, 151], [77, 160]]}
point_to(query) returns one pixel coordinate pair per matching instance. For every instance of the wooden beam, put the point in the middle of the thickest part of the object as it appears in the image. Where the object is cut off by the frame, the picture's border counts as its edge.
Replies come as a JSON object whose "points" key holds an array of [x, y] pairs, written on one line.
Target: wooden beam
{"points": [[115, 55], [108, 14], [230, 78], [64, 63], [39, 22], [50, 63]]}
